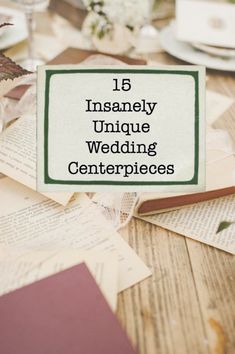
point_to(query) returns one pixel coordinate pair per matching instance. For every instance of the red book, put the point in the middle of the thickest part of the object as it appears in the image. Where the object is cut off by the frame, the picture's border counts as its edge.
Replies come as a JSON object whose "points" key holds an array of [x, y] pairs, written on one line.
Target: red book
{"points": [[64, 313]]}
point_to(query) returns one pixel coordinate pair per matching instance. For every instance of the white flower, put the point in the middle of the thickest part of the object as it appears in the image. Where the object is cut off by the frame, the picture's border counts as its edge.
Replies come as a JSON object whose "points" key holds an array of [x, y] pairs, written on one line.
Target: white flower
{"points": [[128, 13], [131, 13]]}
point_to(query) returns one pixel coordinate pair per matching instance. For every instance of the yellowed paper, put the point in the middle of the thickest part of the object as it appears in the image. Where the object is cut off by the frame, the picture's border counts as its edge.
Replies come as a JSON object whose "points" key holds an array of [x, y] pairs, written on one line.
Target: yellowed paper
{"points": [[200, 222], [20, 271], [216, 105], [30, 221], [227, 123], [18, 155]]}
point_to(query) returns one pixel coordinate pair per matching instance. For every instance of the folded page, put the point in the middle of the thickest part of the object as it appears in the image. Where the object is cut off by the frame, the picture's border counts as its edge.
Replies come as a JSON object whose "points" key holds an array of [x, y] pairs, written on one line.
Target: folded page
{"points": [[200, 222]]}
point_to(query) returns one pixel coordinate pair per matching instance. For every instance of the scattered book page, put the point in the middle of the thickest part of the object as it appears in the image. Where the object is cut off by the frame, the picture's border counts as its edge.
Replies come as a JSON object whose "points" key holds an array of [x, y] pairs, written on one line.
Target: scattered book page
{"points": [[33, 266], [29, 221], [216, 105], [200, 222], [18, 155]]}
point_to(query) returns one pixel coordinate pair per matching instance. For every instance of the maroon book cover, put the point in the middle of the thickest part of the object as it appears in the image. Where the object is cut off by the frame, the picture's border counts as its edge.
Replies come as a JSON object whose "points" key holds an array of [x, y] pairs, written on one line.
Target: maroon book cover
{"points": [[63, 314]]}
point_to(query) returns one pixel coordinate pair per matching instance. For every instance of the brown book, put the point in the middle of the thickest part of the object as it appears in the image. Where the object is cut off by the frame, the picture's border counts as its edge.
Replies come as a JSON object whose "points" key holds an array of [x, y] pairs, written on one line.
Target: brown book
{"points": [[220, 182], [76, 56], [158, 204]]}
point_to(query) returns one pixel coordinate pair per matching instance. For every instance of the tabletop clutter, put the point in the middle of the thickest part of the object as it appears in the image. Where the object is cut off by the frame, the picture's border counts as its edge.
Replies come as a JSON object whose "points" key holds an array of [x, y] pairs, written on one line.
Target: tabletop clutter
{"points": [[60, 257]]}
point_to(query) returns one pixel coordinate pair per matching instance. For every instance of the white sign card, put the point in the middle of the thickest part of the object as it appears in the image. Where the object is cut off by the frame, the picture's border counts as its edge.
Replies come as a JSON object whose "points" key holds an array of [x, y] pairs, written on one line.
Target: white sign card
{"points": [[118, 128]]}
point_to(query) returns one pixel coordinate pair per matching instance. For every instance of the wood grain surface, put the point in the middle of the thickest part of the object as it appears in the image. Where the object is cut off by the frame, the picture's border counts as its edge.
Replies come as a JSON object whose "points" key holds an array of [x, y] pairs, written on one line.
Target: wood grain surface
{"points": [[188, 305]]}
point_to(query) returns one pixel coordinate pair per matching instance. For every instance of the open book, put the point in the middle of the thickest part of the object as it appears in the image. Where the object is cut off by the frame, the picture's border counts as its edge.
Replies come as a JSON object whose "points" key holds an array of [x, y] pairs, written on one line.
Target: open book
{"points": [[220, 182]]}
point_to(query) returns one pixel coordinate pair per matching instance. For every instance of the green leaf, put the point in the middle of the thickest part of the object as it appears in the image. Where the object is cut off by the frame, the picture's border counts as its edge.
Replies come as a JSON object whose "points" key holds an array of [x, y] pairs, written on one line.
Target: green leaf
{"points": [[224, 225]]}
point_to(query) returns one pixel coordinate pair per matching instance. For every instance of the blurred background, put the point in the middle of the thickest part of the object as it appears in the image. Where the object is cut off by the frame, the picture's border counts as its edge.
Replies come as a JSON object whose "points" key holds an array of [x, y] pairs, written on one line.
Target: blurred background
{"points": [[195, 31], [152, 32]]}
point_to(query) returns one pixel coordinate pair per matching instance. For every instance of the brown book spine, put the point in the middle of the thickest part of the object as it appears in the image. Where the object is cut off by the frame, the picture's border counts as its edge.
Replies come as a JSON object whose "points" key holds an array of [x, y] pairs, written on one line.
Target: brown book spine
{"points": [[149, 206]]}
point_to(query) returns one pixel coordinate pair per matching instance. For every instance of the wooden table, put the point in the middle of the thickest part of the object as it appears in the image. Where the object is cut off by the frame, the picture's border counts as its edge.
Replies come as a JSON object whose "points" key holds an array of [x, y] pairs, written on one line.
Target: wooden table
{"points": [[188, 305]]}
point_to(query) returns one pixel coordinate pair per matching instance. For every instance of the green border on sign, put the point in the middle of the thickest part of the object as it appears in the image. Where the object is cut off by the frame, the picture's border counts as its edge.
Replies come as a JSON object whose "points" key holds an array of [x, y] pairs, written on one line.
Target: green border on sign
{"points": [[50, 73]]}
